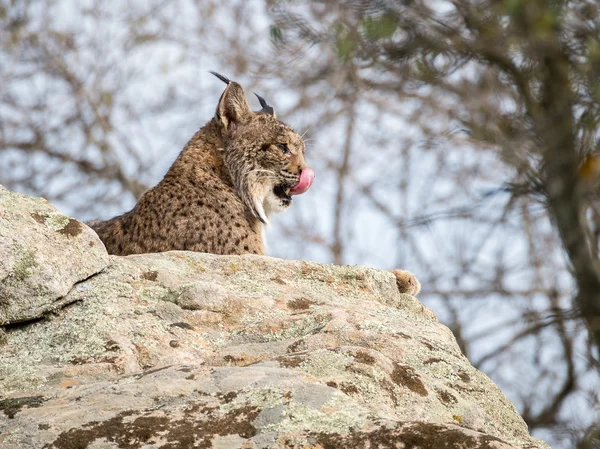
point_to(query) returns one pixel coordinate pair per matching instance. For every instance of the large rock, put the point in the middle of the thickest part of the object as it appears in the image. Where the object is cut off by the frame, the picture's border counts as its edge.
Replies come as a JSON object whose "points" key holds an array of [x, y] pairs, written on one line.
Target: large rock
{"points": [[42, 255], [183, 350]]}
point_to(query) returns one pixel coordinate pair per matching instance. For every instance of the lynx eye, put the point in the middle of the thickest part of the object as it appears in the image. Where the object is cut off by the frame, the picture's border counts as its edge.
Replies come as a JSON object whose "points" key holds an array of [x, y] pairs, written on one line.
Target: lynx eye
{"points": [[283, 147]]}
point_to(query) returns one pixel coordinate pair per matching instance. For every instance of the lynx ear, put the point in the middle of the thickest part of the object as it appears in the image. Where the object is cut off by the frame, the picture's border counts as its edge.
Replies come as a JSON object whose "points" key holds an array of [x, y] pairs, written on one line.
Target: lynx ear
{"points": [[233, 106]]}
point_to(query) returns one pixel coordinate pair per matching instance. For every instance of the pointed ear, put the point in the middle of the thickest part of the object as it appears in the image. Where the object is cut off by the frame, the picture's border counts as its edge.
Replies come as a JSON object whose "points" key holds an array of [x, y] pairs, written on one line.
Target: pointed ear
{"points": [[233, 107]]}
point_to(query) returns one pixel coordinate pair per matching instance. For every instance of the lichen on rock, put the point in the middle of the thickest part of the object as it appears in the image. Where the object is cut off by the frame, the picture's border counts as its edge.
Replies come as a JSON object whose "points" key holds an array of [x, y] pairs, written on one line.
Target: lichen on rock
{"points": [[182, 350], [43, 254]]}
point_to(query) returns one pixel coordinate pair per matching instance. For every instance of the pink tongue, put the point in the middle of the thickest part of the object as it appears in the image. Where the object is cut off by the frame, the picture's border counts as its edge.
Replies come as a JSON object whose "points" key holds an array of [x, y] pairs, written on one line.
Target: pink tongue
{"points": [[307, 176]]}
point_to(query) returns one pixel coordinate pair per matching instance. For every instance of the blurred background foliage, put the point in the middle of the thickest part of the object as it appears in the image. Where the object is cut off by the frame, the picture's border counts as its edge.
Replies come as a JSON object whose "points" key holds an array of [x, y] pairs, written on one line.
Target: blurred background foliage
{"points": [[454, 138]]}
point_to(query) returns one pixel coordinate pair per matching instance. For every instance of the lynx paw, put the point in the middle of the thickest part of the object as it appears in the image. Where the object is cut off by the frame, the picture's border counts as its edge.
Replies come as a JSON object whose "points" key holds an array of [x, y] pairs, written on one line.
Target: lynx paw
{"points": [[407, 282]]}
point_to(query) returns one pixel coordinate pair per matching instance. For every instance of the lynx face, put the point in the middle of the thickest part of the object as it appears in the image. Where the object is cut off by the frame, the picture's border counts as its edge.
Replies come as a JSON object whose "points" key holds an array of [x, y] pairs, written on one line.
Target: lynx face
{"points": [[264, 155]]}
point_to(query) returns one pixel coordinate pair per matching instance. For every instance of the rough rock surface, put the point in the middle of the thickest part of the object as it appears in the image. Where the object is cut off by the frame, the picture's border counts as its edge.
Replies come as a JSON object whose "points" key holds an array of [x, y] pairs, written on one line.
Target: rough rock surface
{"points": [[189, 350], [42, 254]]}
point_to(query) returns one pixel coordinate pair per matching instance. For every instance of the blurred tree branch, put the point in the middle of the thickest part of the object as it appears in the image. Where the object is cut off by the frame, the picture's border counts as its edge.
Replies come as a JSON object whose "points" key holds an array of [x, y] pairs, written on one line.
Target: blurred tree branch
{"points": [[538, 56]]}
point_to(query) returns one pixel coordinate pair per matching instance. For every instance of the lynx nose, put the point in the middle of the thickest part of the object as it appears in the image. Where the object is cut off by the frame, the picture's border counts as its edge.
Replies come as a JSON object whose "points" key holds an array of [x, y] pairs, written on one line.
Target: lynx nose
{"points": [[307, 176]]}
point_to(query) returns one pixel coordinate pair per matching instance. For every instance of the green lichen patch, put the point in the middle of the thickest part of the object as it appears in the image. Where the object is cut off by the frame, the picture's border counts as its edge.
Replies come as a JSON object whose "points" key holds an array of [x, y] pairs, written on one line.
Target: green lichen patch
{"points": [[25, 264], [298, 328], [158, 293], [326, 363], [12, 406], [56, 222], [336, 415]]}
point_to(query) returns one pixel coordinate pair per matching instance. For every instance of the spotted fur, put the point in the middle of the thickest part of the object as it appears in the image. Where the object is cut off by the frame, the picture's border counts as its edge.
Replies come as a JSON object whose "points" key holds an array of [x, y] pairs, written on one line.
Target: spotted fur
{"points": [[221, 190]]}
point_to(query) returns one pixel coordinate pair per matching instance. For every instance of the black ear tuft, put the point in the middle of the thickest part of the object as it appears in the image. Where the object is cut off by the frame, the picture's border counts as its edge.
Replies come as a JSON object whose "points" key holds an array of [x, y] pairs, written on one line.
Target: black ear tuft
{"points": [[265, 107], [221, 77]]}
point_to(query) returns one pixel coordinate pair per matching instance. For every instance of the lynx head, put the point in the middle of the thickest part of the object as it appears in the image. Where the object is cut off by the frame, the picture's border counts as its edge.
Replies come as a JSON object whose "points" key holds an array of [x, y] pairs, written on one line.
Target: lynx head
{"points": [[265, 157]]}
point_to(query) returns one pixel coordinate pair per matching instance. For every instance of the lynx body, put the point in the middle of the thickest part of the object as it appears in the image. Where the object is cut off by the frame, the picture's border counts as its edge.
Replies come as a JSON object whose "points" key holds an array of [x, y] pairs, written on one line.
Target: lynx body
{"points": [[234, 173]]}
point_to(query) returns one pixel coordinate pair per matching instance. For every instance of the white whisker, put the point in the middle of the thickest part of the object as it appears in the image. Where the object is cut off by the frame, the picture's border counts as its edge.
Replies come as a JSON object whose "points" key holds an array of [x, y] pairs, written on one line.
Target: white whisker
{"points": [[268, 175], [263, 170], [304, 133]]}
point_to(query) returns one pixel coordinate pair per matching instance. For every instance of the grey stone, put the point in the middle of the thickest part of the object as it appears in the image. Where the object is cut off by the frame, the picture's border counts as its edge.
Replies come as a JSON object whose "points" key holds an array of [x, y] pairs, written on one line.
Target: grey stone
{"points": [[43, 254], [268, 353]]}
